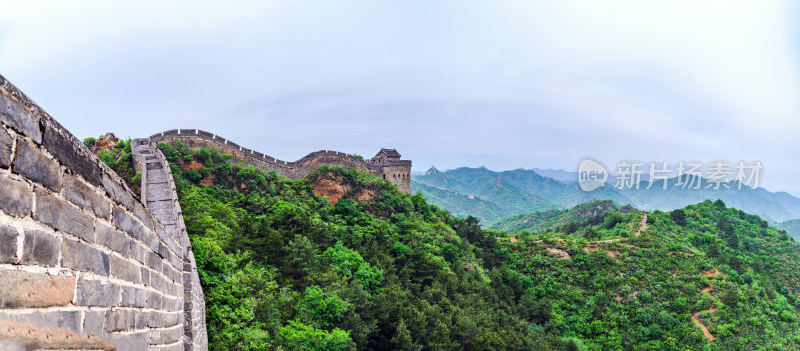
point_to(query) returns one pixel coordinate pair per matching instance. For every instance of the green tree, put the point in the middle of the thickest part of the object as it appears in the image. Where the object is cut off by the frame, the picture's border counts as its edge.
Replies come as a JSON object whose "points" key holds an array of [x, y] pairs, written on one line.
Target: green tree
{"points": [[298, 336], [678, 217], [321, 310]]}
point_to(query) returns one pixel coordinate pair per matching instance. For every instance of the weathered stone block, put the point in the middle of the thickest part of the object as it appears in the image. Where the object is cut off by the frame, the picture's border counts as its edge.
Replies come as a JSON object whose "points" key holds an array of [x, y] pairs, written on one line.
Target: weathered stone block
{"points": [[69, 320], [176, 260], [171, 273], [140, 212], [118, 192], [165, 336], [145, 276], [93, 322], [64, 150], [139, 252], [97, 293], [141, 320], [154, 262], [163, 251], [147, 237], [26, 289], [9, 237], [63, 216], [108, 236], [130, 342], [40, 249], [34, 165], [82, 257], [172, 319], [6, 143], [84, 196], [155, 319], [127, 223], [120, 319], [154, 300], [36, 337], [15, 115], [124, 269], [16, 198], [158, 282], [133, 297]]}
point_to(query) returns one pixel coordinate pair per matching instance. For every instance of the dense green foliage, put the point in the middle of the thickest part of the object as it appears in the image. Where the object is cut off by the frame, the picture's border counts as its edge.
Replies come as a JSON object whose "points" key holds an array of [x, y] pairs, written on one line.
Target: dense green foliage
{"points": [[550, 219], [284, 269], [120, 159], [642, 290]]}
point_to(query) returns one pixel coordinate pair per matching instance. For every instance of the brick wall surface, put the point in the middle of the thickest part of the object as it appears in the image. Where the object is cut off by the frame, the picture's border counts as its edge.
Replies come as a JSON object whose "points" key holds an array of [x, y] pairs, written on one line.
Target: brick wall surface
{"points": [[84, 263]]}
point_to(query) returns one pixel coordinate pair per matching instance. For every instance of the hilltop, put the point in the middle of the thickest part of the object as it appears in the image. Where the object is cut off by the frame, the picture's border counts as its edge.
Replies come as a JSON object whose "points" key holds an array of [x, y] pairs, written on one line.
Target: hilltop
{"points": [[550, 219]]}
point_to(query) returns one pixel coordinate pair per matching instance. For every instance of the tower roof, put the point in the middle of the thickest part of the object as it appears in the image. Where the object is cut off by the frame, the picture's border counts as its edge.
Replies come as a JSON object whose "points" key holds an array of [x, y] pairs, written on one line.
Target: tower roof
{"points": [[391, 153]]}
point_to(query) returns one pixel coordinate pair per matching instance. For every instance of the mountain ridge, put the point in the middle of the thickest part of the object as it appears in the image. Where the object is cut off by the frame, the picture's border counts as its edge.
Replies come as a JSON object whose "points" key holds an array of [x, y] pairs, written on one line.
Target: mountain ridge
{"points": [[778, 206]]}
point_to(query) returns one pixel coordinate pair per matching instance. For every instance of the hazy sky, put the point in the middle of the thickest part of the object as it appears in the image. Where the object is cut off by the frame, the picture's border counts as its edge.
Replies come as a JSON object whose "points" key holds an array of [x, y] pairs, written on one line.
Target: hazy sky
{"points": [[505, 84]]}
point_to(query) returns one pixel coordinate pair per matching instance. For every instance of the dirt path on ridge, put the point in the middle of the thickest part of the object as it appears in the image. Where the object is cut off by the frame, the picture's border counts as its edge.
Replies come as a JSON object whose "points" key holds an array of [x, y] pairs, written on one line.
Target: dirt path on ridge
{"points": [[713, 309], [642, 226]]}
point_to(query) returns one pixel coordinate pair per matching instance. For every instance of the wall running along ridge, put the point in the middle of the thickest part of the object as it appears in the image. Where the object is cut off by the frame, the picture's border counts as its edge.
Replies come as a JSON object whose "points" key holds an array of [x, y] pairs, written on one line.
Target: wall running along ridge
{"points": [[84, 263], [396, 171]]}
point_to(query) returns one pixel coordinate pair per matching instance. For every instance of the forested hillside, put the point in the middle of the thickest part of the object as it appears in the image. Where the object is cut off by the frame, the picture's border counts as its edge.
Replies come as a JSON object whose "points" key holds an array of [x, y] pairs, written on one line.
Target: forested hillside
{"points": [[368, 267], [284, 268], [792, 227], [462, 205], [550, 219]]}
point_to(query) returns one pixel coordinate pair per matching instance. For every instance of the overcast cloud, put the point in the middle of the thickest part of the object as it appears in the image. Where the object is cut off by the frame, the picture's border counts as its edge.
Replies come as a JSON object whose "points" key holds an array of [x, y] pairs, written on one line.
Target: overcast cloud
{"points": [[504, 84]]}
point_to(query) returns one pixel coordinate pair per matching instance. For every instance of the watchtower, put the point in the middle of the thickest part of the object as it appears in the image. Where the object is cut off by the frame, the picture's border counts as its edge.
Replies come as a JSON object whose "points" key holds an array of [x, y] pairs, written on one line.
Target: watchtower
{"points": [[394, 169]]}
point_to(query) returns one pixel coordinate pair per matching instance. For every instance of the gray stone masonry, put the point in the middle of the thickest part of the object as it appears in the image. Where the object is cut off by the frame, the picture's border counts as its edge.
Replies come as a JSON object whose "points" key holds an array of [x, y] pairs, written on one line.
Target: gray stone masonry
{"points": [[84, 262]]}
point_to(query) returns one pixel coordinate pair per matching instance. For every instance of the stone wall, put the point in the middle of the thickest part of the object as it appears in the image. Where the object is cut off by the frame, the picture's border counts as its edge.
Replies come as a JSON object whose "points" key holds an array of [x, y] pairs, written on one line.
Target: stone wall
{"points": [[396, 171], [83, 263], [160, 198]]}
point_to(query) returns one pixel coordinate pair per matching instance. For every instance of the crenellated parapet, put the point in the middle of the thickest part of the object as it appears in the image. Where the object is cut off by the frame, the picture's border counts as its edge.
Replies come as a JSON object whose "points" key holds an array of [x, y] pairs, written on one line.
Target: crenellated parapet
{"points": [[388, 167]]}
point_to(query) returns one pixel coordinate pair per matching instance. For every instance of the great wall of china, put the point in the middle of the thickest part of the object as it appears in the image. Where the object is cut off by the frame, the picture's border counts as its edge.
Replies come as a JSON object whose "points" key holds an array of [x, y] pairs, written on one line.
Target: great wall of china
{"points": [[87, 264], [385, 164]]}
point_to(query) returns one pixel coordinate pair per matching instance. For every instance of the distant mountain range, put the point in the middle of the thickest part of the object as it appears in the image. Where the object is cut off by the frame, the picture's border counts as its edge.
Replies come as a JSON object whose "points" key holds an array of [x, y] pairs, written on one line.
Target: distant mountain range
{"points": [[490, 195]]}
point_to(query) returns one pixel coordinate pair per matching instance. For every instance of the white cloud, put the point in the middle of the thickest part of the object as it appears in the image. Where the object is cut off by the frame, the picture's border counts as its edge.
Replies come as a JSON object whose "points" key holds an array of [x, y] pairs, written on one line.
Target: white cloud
{"points": [[530, 81]]}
